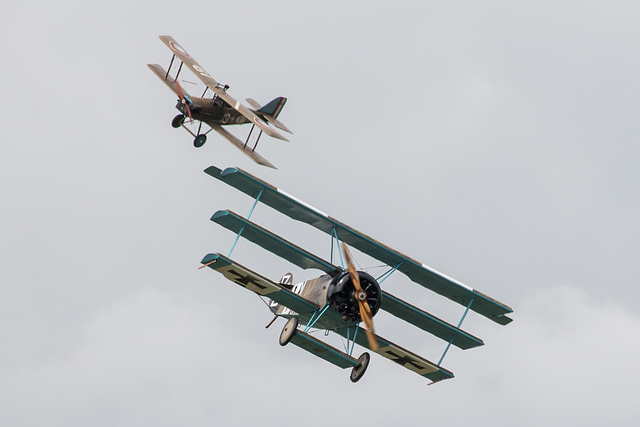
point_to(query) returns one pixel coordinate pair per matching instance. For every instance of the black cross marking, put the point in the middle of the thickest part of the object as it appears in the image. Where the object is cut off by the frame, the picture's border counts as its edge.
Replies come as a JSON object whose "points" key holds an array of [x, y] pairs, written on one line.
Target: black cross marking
{"points": [[404, 360], [245, 281]]}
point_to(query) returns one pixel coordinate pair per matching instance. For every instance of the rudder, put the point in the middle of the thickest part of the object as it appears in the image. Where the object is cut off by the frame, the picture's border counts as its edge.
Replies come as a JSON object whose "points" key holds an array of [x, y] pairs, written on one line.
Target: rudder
{"points": [[274, 107]]}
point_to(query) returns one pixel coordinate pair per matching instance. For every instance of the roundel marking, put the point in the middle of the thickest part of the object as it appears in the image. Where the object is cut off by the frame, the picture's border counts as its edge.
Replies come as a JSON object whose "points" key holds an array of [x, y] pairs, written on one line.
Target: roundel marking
{"points": [[259, 122], [175, 46]]}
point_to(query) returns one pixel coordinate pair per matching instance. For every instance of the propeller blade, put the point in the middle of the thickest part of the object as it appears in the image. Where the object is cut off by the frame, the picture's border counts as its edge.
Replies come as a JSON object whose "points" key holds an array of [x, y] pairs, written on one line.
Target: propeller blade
{"points": [[353, 273], [361, 297], [365, 313], [181, 95]]}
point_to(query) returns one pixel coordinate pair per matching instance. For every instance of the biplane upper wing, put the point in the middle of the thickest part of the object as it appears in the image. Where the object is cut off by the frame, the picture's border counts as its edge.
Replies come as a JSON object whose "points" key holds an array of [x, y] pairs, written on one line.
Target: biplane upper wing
{"points": [[416, 271], [213, 85], [304, 259], [258, 284]]}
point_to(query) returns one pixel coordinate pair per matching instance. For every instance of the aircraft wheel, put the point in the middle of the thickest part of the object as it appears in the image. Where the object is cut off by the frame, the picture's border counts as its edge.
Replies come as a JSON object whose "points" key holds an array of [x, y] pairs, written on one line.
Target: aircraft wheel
{"points": [[199, 141], [289, 330], [177, 121], [358, 371]]}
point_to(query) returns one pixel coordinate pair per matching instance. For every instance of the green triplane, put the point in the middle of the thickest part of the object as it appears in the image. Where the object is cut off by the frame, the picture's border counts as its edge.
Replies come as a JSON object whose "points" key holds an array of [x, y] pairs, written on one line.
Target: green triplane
{"points": [[342, 298]]}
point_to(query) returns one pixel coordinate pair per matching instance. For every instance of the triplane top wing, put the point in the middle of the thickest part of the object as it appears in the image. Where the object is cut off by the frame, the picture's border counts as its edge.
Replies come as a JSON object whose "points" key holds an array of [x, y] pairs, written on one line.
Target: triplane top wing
{"points": [[221, 109], [340, 299]]}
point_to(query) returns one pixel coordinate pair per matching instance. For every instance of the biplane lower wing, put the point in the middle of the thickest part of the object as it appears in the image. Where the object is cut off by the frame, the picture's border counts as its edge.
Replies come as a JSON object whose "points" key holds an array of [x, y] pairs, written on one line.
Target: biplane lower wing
{"points": [[258, 284], [304, 259], [416, 271], [403, 357], [162, 75], [324, 350], [241, 145]]}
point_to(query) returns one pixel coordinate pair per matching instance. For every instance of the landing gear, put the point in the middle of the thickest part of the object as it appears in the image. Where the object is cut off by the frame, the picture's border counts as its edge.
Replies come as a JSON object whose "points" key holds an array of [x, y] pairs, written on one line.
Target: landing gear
{"points": [[288, 332], [358, 371], [200, 140], [177, 121]]}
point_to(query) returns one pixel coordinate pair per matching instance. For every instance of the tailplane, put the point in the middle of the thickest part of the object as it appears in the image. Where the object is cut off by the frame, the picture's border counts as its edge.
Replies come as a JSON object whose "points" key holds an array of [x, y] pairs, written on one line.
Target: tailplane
{"points": [[271, 111]]}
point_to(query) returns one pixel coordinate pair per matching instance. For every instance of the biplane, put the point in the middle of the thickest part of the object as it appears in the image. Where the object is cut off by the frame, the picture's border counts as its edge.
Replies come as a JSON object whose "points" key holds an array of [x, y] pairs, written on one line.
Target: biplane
{"points": [[342, 298], [221, 109]]}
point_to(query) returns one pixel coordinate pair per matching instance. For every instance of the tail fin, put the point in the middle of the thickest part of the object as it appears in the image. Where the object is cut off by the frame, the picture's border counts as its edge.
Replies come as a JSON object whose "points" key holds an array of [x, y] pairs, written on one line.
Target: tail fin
{"points": [[271, 111], [285, 282], [274, 107]]}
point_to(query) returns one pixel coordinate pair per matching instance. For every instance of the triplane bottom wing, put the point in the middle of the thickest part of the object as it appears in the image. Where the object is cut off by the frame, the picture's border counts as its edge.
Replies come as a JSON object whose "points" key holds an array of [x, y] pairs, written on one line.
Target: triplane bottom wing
{"points": [[262, 286]]}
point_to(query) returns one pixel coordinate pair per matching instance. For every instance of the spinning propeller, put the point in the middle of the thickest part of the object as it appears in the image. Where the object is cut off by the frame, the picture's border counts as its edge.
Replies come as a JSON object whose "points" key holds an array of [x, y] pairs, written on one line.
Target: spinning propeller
{"points": [[361, 297], [186, 104]]}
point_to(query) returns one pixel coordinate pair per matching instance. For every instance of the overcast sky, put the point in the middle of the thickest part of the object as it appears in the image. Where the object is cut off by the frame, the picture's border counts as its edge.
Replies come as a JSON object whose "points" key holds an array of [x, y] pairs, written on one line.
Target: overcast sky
{"points": [[494, 141]]}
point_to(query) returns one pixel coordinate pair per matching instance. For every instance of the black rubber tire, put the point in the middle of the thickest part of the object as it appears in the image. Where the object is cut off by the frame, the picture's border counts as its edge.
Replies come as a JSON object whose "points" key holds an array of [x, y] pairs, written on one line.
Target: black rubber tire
{"points": [[177, 121], [199, 141], [289, 331], [358, 371]]}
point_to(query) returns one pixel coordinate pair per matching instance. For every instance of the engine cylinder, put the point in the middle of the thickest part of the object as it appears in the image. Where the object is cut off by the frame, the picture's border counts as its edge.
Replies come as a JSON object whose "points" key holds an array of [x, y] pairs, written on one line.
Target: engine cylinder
{"points": [[342, 295]]}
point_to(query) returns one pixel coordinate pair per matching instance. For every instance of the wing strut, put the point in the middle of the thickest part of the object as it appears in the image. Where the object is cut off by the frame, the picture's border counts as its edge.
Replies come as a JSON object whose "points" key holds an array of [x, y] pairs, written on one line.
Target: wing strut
{"points": [[249, 137], [459, 324], [179, 69], [170, 65], [256, 144]]}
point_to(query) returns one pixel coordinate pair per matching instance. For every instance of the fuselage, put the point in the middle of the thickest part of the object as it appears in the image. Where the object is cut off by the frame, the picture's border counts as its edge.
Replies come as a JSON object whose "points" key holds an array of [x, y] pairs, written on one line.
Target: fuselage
{"points": [[212, 110], [337, 295]]}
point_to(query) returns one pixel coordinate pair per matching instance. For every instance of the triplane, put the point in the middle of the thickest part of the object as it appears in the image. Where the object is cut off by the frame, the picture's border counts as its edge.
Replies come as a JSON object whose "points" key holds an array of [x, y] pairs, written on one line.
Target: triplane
{"points": [[219, 110], [342, 298]]}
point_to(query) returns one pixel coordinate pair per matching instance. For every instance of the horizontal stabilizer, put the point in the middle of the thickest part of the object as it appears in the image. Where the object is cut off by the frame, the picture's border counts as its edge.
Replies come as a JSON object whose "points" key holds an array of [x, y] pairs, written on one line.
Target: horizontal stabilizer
{"points": [[277, 123], [324, 350], [258, 284], [271, 242], [254, 104], [416, 271], [270, 111], [403, 357]]}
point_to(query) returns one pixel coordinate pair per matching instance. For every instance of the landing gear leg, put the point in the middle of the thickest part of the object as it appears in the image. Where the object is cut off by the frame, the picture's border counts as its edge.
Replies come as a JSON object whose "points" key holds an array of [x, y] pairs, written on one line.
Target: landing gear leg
{"points": [[358, 371]]}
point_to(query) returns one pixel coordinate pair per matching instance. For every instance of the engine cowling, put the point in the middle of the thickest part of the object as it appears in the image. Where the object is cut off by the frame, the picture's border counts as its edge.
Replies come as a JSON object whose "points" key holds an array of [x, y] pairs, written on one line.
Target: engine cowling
{"points": [[342, 295]]}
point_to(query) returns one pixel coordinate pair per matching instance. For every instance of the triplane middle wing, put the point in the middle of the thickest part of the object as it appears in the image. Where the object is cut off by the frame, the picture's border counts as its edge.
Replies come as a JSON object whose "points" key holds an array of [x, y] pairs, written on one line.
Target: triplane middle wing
{"points": [[221, 109], [343, 297]]}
